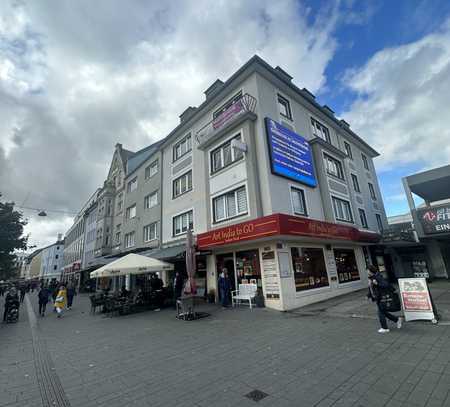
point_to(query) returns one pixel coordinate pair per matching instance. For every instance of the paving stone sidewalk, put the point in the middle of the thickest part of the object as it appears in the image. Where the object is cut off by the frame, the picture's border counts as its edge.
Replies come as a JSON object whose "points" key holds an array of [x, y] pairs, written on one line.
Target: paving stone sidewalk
{"points": [[152, 359]]}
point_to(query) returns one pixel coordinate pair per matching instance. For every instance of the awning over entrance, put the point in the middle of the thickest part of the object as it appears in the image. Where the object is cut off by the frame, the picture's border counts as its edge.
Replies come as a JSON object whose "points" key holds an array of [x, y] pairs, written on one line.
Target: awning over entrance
{"points": [[281, 224], [432, 185], [131, 264]]}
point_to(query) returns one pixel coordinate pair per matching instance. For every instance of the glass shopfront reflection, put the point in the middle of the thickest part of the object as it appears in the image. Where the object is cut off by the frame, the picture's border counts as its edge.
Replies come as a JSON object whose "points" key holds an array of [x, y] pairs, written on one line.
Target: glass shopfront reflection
{"points": [[248, 269], [347, 269], [309, 268]]}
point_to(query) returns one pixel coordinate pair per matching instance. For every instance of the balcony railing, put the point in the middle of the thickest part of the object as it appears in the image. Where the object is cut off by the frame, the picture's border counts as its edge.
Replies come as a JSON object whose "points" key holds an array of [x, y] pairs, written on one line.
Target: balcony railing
{"points": [[246, 103]]}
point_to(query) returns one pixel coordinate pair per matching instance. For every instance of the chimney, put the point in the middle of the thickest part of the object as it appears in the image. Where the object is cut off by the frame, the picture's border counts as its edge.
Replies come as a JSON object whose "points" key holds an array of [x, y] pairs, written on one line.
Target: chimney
{"points": [[59, 237], [213, 88]]}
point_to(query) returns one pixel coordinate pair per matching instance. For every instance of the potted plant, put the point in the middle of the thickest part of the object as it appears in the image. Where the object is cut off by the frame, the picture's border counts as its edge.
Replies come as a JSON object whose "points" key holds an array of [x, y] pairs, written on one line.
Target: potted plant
{"points": [[212, 296]]}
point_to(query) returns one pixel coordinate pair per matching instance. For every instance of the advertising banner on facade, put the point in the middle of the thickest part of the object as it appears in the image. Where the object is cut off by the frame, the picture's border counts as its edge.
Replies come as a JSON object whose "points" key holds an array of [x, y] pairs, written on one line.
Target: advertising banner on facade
{"points": [[435, 220], [416, 301], [290, 154]]}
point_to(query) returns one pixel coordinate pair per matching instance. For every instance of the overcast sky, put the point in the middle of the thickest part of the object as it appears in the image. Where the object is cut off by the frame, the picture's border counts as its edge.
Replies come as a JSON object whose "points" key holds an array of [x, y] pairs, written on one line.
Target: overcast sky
{"points": [[76, 77]]}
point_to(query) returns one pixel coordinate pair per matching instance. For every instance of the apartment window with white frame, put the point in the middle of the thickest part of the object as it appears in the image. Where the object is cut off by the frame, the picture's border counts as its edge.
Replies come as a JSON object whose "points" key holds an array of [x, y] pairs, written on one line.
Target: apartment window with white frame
{"points": [[319, 130], [365, 162], [130, 239], [333, 166], [182, 184], [225, 155], [379, 222], [183, 222], [342, 210], [230, 205], [151, 232], [363, 218], [131, 212], [132, 185], [348, 150], [298, 201], [355, 183], [151, 200], [372, 191], [151, 169], [284, 107], [182, 147]]}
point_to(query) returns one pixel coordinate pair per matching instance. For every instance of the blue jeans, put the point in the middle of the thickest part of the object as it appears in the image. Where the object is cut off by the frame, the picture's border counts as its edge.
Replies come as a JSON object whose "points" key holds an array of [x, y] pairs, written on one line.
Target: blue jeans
{"points": [[383, 314], [224, 297]]}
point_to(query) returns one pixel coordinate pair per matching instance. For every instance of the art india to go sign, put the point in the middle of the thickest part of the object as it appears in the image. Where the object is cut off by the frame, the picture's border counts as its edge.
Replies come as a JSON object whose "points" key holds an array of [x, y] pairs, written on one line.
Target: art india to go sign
{"points": [[290, 154], [435, 220], [416, 299]]}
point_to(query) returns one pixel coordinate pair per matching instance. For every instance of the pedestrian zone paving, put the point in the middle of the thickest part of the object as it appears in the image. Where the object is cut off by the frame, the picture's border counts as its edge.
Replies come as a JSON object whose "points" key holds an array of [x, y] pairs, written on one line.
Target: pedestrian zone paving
{"points": [[299, 358]]}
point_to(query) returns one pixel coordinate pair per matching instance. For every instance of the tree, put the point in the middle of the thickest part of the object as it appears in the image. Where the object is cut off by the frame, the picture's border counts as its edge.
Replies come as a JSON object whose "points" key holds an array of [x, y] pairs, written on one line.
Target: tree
{"points": [[11, 238]]}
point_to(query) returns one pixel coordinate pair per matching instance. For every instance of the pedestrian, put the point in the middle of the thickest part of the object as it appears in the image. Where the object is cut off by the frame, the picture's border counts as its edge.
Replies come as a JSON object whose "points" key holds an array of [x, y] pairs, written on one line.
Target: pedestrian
{"points": [[178, 283], [224, 288], [70, 294], [11, 300], [379, 287], [61, 300], [22, 290], [43, 295]]}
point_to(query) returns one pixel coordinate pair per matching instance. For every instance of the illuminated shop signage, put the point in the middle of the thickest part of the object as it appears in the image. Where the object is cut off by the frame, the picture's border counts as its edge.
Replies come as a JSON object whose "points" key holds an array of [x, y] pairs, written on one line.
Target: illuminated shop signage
{"points": [[290, 154], [435, 220]]}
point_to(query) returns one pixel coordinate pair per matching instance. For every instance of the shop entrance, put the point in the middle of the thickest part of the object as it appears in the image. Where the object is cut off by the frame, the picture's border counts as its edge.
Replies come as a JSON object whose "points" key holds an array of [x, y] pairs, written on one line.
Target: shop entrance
{"points": [[226, 262]]}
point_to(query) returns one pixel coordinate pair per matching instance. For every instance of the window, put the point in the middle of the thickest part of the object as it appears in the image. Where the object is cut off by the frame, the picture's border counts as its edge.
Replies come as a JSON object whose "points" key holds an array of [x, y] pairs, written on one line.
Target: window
{"points": [[379, 222], [362, 217], [131, 212], [57, 247], [129, 240], [56, 256], [151, 200], [298, 201], [151, 170], [365, 162], [132, 185], [348, 150], [342, 210], [182, 147], [284, 107], [150, 232], [119, 203], [55, 267], [319, 130], [230, 205], [182, 223], [182, 184], [372, 192], [224, 155], [309, 268], [347, 268], [355, 183], [333, 166], [118, 237]]}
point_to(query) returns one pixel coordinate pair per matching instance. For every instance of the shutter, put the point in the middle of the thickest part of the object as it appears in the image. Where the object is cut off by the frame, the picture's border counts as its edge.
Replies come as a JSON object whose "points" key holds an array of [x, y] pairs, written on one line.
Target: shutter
{"points": [[242, 200]]}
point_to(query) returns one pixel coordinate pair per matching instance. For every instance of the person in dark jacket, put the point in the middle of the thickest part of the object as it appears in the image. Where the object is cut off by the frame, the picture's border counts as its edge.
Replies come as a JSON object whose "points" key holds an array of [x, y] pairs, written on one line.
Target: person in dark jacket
{"points": [[379, 286], [224, 288], [22, 290], [70, 294], [11, 300], [177, 286], [44, 296]]}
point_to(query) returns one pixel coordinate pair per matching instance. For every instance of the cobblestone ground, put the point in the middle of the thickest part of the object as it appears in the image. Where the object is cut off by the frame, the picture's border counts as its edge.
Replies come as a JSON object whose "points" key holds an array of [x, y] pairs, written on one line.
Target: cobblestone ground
{"points": [[152, 359]]}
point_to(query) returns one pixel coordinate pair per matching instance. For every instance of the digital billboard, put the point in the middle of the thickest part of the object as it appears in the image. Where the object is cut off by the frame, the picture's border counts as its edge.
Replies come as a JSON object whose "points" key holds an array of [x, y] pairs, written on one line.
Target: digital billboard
{"points": [[290, 154]]}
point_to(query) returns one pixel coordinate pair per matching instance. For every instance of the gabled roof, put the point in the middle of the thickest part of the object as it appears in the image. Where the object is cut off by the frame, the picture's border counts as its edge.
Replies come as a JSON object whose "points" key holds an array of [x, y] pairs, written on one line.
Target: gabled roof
{"points": [[138, 158]]}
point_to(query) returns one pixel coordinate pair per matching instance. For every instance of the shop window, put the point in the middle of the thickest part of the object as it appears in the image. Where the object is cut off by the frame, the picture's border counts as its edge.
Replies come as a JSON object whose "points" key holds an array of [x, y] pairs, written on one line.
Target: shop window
{"points": [[248, 270], [309, 268], [347, 268]]}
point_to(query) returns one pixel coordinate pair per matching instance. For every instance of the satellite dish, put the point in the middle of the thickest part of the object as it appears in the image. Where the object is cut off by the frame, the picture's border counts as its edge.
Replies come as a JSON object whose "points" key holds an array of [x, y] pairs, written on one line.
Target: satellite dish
{"points": [[42, 213]]}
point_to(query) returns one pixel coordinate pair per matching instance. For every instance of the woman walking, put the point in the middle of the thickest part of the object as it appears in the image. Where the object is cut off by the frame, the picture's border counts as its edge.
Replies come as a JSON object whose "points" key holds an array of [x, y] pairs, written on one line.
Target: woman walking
{"points": [[43, 295], [61, 300], [379, 287], [70, 294]]}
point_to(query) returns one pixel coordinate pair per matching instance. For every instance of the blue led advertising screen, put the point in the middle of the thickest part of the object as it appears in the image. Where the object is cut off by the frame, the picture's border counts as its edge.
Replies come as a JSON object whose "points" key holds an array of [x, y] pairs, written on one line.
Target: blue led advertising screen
{"points": [[290, 154]]}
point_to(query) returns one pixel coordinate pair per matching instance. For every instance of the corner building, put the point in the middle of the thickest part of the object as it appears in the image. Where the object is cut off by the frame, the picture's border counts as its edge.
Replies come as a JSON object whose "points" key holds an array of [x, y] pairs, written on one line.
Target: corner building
{"points": [[277, 190]]}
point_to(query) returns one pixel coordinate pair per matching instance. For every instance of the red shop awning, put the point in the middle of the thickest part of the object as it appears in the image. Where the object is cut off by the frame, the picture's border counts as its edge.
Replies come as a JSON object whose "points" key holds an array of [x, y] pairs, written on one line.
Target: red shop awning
{"points": [[281, 224]]}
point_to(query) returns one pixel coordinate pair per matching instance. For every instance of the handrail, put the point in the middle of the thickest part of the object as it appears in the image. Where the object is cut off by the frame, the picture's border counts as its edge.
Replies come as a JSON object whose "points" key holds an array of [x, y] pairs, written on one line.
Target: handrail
{"points": [[246, 103]]}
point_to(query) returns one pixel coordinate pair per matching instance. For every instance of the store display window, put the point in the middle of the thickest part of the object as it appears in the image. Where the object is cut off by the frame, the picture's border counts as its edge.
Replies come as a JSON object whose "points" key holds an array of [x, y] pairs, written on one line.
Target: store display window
{"points": [[248, 269], [347, 268], [309, 268]]}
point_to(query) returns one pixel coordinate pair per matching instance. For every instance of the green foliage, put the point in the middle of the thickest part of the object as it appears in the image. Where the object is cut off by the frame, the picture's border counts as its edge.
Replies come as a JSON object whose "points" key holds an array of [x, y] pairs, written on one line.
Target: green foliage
{"points": [[11, 238]]}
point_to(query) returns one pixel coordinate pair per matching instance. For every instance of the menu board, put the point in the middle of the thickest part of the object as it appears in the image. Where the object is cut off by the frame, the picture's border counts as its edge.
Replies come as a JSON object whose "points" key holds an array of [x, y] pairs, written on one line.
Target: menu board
{"points": [[270, 275], [416, 299]]}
